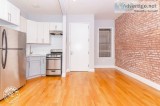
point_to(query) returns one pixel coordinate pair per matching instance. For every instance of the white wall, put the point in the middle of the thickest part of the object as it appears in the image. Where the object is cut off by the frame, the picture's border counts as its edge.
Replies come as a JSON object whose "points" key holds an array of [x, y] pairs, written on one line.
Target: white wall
{"points": [[83, 19], [56, 43], [104, 62]]}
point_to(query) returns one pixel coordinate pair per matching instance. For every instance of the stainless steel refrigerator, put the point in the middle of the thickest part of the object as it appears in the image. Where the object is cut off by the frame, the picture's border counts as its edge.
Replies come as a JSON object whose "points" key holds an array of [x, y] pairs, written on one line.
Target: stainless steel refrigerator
{"points": [[12, 59]]}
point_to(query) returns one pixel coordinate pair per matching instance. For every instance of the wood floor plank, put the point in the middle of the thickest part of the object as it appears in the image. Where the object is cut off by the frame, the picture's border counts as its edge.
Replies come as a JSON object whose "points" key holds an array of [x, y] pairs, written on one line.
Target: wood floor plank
{"points": [[105, 87]]}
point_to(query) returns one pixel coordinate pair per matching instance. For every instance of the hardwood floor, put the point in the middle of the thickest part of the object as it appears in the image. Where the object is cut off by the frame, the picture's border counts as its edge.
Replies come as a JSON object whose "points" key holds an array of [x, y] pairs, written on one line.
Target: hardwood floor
{"points": [[105, 87]]}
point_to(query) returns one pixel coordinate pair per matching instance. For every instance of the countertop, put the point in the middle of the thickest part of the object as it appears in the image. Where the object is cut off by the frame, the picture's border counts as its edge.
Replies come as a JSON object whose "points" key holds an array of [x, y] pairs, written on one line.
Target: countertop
{"points": [[36, 55]]}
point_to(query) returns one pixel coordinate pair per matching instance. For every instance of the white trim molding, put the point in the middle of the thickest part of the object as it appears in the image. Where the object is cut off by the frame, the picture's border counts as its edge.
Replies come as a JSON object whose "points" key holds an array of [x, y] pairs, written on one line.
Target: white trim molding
{"points": [[68, 70], [36, 76], [63, 75], [91, 70], [103, 66], [139, 78]]}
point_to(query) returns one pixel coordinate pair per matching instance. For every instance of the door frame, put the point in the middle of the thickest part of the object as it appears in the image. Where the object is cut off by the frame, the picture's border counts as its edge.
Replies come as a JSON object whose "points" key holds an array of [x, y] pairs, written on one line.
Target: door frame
{"points": [[69, 43]]}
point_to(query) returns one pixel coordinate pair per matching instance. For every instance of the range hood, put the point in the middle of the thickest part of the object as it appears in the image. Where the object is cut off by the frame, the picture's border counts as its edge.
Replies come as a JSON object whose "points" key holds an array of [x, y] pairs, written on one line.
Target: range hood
{"points": [[56, 32]]}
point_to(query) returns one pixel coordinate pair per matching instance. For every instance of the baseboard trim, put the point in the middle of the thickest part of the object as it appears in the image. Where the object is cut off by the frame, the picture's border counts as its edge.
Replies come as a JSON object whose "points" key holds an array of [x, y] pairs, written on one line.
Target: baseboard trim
{"points": [[68, 70], [139, 78], [104, 66], [89, 70], [92, 70], [28, 78], [63, 74]]}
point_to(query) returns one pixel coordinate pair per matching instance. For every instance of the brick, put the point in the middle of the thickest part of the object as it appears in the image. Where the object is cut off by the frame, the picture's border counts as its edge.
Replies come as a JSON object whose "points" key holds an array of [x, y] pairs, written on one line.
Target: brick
{"points": [[137, 44]]}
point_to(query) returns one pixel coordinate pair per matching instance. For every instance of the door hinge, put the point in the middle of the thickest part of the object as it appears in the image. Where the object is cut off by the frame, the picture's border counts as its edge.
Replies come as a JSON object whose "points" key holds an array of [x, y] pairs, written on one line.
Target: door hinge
{"points": [[88, 52], [88, 65]]}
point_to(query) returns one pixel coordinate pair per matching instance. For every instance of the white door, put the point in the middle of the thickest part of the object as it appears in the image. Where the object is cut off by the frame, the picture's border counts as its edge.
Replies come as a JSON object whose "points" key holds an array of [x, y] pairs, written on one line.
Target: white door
{"points": [[79, 47]]}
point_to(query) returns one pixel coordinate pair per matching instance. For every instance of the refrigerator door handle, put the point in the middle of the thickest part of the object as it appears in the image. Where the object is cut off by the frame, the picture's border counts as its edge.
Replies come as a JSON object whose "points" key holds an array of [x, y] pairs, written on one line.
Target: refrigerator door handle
{"points": [[4, 39]]}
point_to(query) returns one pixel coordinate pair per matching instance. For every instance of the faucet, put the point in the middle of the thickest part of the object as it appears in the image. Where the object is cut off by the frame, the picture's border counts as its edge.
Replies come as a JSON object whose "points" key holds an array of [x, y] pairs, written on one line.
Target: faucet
{"points": [[30, 50]]}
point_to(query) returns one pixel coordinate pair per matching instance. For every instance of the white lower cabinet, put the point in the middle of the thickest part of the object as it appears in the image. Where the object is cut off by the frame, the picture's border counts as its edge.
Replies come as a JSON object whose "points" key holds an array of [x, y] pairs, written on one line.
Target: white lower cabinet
{"points": [[36, 66]]}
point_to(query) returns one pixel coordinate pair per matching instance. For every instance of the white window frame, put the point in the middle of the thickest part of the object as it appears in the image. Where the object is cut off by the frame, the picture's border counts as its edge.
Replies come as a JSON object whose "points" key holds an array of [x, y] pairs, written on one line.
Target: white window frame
{"points": [[112, 42]]}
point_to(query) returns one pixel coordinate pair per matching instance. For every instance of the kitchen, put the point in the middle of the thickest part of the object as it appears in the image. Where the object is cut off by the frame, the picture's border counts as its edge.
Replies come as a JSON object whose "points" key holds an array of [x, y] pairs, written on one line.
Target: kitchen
{"points": [[78, 53], [31, 46]]}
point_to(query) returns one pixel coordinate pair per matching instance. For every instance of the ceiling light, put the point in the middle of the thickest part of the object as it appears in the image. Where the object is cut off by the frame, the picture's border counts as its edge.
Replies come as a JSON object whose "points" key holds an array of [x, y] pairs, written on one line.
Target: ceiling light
{"points": [[74, 0], [36, 4]]}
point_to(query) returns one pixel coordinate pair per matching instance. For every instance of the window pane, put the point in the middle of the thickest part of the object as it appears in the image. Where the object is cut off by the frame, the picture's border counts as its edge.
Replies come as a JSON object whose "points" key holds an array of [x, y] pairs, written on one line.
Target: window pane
{"points": [[104, 42]]}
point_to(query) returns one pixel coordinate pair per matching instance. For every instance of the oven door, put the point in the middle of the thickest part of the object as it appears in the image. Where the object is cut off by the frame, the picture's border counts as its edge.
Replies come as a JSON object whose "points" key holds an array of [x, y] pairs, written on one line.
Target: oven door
{"points": [[53, 64]]}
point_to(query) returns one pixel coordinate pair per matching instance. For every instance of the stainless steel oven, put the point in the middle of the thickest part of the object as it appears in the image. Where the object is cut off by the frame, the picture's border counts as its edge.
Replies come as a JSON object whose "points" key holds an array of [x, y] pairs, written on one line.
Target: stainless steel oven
{"points": [[54, 63]]}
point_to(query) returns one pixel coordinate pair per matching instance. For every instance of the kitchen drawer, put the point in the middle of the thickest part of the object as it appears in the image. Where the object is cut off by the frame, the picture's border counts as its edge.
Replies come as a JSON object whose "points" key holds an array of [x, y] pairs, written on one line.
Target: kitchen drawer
{"points": [[53, 72]]}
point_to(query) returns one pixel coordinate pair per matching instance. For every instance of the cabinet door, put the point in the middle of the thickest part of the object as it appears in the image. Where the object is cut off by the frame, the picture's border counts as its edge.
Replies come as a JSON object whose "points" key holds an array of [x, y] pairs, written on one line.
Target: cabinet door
{"points": [[46, 35], [52, 26], [34, 68], [40, 32], [3, 10], [9, 12], [55, 26], [23, 24], [31, 32], [14, 15], [43, 65], [59, 26]]}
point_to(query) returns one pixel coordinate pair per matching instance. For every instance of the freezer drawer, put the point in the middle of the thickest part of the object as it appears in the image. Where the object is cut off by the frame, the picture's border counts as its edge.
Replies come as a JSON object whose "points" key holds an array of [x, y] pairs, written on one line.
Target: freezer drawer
{"points": [[53, 72], [54, 63]]}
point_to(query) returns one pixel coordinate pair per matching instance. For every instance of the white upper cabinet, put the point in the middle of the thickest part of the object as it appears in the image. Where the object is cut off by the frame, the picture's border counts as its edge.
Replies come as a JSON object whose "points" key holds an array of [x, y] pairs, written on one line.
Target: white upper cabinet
{"points": [[9, 12], [14, 14], [31, 31], [40, 35], [3, 10], [55, 26], [40, 32], [23, 24], [46, 33], [43, 36]]}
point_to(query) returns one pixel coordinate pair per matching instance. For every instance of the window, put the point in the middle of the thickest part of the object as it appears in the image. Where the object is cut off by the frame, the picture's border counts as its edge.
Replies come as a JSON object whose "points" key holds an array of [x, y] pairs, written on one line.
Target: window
{"points": [[104, 42]]}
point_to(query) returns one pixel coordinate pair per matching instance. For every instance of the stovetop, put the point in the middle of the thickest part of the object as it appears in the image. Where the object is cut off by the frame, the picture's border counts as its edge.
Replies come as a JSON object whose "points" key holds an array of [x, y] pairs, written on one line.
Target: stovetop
{"points": [[57, 53], [55, 50]]}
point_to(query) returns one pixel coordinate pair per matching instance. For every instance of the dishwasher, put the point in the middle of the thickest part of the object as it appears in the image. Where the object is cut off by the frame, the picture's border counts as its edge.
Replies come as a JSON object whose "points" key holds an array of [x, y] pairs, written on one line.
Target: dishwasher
{"points": [[54, 63]]}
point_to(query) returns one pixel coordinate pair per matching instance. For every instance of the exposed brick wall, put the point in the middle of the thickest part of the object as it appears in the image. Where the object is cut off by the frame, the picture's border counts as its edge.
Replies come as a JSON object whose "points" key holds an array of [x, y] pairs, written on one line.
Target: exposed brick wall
{"points": [[138, 44]]}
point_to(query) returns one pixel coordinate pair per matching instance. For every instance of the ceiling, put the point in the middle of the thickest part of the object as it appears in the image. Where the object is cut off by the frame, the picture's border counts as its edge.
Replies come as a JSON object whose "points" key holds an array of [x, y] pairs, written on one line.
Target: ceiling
{"points": [[102, 9], [38, 7]]}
